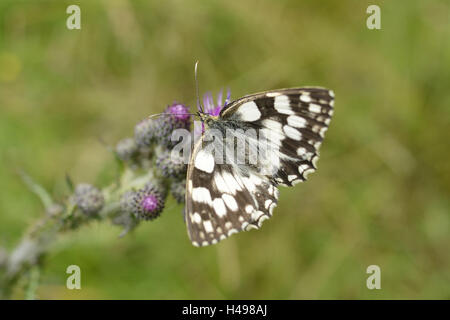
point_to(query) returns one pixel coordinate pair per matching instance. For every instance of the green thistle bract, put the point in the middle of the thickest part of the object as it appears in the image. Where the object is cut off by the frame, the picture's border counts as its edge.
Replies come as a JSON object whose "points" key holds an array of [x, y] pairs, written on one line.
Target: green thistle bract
{"points": [[88, 198]]}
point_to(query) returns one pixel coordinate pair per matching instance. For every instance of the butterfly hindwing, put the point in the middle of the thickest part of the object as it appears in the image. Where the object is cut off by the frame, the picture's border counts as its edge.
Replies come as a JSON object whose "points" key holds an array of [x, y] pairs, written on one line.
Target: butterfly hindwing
{"points": [[222, 200]]}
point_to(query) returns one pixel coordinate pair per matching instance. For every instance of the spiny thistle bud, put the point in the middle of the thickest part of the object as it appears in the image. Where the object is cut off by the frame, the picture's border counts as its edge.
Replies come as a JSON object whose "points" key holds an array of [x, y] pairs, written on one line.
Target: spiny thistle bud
{"points": [[125, 217], [145, 132], [170, 164], [126, 149], [126, 202], [178, 190], [88, 198], [146, 203], [176, 116]]}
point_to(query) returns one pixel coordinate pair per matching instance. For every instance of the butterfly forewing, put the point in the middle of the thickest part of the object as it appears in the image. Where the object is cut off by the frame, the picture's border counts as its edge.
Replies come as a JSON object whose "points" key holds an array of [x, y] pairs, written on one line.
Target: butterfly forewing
{"points": [[293, 120], [223, 198]]}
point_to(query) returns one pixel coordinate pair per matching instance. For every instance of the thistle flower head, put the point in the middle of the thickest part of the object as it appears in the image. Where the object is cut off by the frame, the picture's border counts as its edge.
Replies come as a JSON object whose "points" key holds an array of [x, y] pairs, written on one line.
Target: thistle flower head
{"points": [[126, 149], [146, 203], [170, 164], [88, 198], [149, 203], [179, 111], [145, 132], [214, 109], [176, 116]]}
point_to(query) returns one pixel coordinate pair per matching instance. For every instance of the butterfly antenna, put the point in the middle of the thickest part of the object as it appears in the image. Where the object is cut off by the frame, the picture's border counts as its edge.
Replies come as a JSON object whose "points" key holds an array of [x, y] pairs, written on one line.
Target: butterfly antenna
{"points": [[199, 106], [171, 114]]}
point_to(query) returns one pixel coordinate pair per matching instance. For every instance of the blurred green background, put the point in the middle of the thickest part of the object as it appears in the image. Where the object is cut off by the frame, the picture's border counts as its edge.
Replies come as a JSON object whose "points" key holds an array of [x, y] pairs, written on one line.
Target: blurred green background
{"points": [[380, 196]]}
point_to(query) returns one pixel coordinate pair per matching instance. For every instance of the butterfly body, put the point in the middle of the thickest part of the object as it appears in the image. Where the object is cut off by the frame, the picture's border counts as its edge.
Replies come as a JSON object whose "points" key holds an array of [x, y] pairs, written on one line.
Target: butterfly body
{"points": [[255, 144]]}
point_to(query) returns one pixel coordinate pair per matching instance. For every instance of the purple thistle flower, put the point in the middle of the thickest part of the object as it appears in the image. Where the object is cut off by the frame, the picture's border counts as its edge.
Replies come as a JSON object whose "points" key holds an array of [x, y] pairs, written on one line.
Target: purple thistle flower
{"points": [[211, 108], [149, 203], [176, 117], [146, 203], [214, 109], [179, 111]]}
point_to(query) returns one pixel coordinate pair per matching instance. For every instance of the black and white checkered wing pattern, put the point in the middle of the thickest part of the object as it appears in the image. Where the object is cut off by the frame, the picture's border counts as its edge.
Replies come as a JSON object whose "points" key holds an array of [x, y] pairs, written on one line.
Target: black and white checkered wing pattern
{"points": [[222, 200], [294, 121]]}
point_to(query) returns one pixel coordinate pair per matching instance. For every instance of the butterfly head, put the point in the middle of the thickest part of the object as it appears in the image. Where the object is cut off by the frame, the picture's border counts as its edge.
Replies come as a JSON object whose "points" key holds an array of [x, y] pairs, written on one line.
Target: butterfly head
{"points": [[206, 118]]}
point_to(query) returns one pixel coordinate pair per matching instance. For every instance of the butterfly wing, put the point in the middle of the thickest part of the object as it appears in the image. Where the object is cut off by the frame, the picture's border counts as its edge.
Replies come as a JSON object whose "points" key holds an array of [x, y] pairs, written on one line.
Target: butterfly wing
{"points": [[294, 121], [222, 200], [226, 198]]}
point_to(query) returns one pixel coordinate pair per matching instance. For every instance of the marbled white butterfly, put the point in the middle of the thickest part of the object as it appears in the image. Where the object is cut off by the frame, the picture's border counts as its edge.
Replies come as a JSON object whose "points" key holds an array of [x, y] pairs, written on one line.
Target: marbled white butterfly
{"points": [[226, 197]]}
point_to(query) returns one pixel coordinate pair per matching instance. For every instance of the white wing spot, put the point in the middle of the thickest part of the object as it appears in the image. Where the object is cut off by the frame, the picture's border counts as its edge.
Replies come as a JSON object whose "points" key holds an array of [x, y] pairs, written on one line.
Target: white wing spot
{"points": [[273, 136], [314, 161], [301, 151], [296, 121], [272, 206], [250, 227], [220, 182], [256, 215], [249, 209], [262, 219], [204, 161], [201, 194], [196, 218], [302, 168], [230, 202], [231, 182], [219, 207], [249, 185], [272, 125], [282, 105], [315, 108], [292, 133], [249, 111], [307, 172], [208, 226], [305, 98]]}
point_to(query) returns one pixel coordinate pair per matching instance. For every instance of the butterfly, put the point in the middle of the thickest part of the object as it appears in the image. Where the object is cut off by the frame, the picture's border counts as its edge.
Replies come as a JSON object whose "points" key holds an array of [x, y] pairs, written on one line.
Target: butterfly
{"points": [[226, 197]]}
